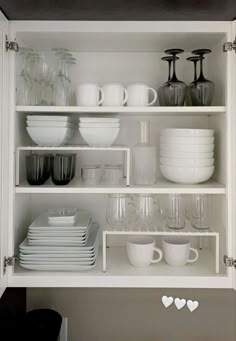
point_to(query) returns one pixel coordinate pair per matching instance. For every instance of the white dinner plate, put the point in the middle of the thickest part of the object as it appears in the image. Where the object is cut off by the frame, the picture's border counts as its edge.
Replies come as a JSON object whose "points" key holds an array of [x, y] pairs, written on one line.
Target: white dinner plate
{"points": [[58, 267], [57, 262], [56, 234], [26, 258]]}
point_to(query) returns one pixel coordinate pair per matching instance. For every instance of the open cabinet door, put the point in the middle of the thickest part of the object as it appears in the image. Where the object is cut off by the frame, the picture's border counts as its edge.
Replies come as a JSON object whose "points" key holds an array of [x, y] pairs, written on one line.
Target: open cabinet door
{"points": [[4, 77]]}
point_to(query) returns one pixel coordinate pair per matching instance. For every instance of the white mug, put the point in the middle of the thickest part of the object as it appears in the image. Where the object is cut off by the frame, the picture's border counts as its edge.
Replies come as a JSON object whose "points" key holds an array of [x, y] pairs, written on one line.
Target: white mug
{"points": [[138, 95], [177, 251], [88, 95], [140, 251], [115, 95]]}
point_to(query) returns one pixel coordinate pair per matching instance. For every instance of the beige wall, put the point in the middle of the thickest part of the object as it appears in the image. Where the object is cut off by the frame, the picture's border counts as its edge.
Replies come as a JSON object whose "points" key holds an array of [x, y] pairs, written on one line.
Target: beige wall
{"points": [[138, 315]]}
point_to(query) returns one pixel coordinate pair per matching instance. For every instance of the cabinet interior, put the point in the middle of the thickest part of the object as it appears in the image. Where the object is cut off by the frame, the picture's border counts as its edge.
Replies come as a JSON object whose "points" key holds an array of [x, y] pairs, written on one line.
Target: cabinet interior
{"points": [[129, 58]]}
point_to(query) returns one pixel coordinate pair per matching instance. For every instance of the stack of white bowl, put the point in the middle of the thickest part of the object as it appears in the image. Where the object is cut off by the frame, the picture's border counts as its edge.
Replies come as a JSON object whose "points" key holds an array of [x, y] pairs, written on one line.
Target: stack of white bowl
{"points": [[99, 131], [187, 155], [49, 130]]}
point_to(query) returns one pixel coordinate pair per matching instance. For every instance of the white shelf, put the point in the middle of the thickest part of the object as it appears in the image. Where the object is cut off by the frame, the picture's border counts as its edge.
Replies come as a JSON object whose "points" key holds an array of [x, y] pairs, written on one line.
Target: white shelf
{"points": [[123, 110], [77, 147], [161, 187], [121, 274]]}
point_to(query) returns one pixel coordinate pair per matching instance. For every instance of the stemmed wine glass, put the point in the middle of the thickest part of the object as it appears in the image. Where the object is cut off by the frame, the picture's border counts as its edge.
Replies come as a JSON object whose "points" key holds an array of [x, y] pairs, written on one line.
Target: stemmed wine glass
{"points": [[195, 60], [201, 90], [164, 87], [172, 93]]}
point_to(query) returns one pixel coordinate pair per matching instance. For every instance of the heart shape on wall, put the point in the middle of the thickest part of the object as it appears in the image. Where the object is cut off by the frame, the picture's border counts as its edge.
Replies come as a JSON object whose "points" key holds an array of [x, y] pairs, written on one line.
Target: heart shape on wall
{"points": [[180, 303], [192, 305], [167, 301]]}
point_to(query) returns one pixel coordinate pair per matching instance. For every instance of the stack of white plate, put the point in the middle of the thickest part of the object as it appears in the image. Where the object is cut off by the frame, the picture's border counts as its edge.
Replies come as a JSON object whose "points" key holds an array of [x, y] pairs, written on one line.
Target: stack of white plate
{"points": [[49, 130], [62, 246], [99, 131], [187, 155]]}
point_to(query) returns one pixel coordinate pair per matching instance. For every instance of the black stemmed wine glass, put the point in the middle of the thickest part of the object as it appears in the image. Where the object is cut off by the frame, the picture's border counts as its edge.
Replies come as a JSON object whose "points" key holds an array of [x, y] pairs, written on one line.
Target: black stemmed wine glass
{"points": [[172, 93], [195, 60], [161, 90], [201, 90]]}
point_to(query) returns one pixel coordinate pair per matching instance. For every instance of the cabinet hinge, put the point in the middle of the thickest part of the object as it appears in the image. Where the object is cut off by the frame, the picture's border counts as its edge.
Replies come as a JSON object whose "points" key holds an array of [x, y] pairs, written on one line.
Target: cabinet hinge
{"points": [[9, 261], [11, 45], [230, 262], [229, 46]]}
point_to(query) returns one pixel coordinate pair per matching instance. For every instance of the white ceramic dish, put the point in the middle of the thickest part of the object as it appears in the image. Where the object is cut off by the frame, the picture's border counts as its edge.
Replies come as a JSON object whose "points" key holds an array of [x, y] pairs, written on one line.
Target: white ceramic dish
{"points": [[62, 214], [53, 124], [187, 175], [56, 257], [48, 118], [99, 119], [99, 136], [186, 140], [99, 125], [188, 132], [49, 136], [58, 267], [72, 261], [82, 222], [187, 162], [194, 148], [185, 155]]}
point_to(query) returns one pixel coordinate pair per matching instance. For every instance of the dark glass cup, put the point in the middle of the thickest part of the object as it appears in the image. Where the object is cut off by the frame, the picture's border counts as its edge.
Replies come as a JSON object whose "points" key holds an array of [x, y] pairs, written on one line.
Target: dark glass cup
{"points": [[48, 164], [36, 169], [201, 90], [62, 169]]}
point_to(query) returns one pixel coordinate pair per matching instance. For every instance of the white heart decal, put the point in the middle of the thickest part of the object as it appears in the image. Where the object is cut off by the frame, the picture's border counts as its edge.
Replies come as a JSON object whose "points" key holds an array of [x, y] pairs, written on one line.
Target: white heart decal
{"points": [[167, 301], [180, 303], [192, 305]]}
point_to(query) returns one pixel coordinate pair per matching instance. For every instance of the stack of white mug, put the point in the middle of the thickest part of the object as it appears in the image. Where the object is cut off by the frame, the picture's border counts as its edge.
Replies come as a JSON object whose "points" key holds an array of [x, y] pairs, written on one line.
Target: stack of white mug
{"points": [[115, 95]]}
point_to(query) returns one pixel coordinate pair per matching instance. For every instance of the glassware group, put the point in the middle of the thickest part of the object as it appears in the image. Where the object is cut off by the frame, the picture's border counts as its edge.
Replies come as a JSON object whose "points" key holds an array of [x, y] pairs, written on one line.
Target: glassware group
{"points": [[147, 212], [175, 92], [44, 77]]}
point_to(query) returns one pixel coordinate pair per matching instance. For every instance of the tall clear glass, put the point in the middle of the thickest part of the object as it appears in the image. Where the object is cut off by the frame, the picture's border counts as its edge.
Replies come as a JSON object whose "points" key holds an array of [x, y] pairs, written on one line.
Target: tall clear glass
{"points": [[199, 212], [149, 211], [120, 211], [175, 212]]}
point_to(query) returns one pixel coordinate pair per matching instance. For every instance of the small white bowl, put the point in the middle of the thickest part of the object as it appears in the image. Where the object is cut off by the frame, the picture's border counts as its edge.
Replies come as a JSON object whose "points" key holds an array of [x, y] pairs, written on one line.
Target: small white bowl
{"points": [[186, 140], [194, 148], [96, 137], [185, 155], [99, 119], [99, 125], [187, 162], [49, 136], [188, 132], [187, 175], [52, 124]]}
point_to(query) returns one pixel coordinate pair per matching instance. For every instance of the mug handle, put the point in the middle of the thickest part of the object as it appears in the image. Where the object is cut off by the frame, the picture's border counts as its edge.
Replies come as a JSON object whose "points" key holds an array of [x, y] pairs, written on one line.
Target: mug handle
{"points": [[102, 96], [155, 96], [196, 255], [126, 96], [157, 260]]}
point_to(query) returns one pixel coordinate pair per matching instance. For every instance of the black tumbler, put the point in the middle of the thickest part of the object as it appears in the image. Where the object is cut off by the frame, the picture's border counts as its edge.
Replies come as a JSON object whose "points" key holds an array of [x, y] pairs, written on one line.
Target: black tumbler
{"points": [[36, 169], [62, 170]]}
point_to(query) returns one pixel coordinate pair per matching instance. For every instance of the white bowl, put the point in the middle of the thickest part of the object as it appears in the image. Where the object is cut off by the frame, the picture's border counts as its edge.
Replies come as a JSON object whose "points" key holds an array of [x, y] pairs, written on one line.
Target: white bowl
{"points": [[99, 136], [48, 118], [194, 148], [99, 125], [186, 140], [54, 124], [187, 162], [49, 136], [188, 132], [185, 155], [187, 175], [99, 119]]}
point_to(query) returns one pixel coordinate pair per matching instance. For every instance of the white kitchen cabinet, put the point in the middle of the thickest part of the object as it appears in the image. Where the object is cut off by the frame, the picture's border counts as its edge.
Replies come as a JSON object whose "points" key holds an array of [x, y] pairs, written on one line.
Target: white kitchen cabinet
{"points": [[123, 52]]}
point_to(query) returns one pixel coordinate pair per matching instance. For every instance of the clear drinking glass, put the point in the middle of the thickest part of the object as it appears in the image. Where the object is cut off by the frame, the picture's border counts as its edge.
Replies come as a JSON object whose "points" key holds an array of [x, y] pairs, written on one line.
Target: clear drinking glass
{"points": [[120, 210], [113, 174], [194, 60], [91, 175], [175, 212], [149, 211], [199, 212], [23, 80], [201, 90]]}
